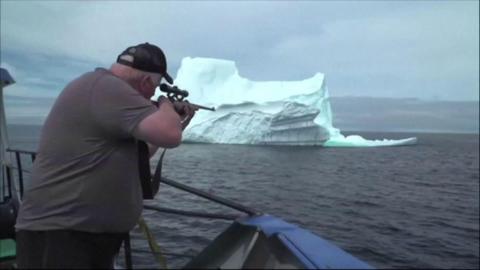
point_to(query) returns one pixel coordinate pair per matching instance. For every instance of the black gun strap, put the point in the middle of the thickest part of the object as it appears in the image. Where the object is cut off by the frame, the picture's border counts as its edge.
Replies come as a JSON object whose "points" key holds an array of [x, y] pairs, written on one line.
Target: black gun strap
{"points": [[157, 176], [144, 170]]}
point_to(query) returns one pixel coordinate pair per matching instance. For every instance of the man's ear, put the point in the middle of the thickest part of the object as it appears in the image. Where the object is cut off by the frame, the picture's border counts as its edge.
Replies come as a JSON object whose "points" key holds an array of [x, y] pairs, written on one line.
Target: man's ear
{"points": [[145, 81]]}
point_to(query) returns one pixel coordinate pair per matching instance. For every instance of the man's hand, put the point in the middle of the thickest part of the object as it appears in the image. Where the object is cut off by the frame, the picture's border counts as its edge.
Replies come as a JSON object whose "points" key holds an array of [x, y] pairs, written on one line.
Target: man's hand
{"points": [[186, 112]]}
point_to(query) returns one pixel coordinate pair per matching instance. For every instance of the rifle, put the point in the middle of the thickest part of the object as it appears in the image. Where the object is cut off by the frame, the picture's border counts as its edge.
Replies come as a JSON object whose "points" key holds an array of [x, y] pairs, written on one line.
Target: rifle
{"points": [[150, 186], [175, 94]]}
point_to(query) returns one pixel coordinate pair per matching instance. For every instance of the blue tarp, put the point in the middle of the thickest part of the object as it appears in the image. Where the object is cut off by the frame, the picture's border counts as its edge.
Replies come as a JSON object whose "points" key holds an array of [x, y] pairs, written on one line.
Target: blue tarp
{"points": [[313, 251]]}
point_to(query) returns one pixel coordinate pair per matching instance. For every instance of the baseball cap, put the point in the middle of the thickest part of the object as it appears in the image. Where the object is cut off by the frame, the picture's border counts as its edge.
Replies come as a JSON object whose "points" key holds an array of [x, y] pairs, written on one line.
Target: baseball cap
{"points": [[145, 57]]}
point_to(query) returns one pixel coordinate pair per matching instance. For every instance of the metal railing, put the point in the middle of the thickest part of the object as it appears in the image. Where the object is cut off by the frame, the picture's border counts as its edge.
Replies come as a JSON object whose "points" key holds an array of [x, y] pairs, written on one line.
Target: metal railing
{"points": [[127, 247], [20, 170]]}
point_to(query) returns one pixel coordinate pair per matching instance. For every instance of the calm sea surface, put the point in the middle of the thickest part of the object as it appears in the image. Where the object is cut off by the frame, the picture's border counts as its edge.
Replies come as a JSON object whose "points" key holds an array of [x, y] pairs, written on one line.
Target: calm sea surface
{"points": [[397, 207]]}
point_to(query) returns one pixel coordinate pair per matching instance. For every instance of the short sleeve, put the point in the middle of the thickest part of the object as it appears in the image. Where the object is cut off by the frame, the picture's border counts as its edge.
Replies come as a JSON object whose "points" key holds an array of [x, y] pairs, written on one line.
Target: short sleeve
{"points": [[118, 108]]}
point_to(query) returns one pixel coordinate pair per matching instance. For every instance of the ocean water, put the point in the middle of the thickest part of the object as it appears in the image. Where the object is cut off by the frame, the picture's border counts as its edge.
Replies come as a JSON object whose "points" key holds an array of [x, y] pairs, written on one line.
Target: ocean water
{"points": [[397, 207]]}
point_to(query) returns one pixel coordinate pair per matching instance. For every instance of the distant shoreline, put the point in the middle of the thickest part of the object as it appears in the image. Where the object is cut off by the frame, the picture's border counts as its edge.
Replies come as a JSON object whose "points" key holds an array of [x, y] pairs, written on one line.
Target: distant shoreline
{"points": [[344, 132]]}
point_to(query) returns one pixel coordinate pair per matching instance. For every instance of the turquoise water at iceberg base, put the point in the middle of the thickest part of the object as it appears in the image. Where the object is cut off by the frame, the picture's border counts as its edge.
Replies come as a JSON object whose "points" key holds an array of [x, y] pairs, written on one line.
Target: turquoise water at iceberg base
{"points": [[393, 207]]}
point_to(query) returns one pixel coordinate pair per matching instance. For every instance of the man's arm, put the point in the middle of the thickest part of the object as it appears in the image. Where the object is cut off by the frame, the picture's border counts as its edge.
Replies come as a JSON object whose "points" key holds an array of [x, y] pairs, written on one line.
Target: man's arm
{"points": [[162, 128]]}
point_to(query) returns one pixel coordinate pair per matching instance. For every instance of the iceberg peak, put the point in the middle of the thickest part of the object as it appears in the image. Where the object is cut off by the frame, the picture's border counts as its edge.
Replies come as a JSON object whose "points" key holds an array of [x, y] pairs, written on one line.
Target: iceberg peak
{"points": [[216, 82]]}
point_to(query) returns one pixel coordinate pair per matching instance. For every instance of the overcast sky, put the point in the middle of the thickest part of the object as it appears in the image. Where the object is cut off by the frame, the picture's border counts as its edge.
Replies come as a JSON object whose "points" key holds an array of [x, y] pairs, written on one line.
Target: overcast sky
{"points": [[422, 49]]}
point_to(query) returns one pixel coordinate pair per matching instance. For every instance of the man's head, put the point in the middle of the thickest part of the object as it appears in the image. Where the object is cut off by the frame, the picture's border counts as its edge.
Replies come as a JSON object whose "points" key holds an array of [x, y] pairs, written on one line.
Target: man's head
{"points": [[142, 66]]}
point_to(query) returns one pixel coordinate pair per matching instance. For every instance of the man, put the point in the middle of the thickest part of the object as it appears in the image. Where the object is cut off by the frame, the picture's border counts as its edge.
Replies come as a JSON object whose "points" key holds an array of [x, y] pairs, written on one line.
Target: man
{"points": [[85, 193]]}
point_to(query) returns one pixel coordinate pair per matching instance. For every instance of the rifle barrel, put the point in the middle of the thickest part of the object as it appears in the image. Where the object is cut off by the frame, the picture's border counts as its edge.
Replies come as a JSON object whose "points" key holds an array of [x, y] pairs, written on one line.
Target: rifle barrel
{"points": [[203, 107], [196, 105]]}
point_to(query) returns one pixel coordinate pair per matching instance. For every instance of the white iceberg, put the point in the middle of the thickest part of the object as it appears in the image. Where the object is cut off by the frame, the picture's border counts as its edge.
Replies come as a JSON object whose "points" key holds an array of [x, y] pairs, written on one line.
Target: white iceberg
{"points": [[272, 112]]}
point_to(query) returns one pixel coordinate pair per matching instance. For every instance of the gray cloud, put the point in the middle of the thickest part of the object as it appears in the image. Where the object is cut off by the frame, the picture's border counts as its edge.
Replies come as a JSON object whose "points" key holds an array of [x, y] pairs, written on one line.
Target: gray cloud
{"points": [[396, 49]]}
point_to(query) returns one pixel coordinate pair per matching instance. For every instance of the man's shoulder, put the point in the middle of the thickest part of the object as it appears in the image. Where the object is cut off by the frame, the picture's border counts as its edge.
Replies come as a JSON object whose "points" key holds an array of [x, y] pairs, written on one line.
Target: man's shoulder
{"points": [[96, 81], [107, 80], [89, 78], [105, 75], [100, 73]]}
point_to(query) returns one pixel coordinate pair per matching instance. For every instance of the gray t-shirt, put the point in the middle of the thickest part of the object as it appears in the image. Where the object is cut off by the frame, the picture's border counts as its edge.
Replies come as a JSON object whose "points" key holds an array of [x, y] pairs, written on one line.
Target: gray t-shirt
{"points": [[85, 176]]}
